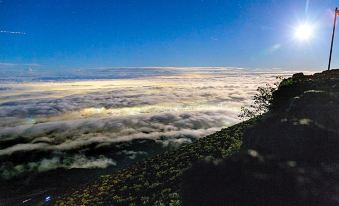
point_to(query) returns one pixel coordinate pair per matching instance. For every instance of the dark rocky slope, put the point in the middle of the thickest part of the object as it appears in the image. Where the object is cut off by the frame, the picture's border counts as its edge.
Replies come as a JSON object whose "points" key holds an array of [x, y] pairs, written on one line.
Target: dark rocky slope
{"points": [[289, 156], [303, 122]]}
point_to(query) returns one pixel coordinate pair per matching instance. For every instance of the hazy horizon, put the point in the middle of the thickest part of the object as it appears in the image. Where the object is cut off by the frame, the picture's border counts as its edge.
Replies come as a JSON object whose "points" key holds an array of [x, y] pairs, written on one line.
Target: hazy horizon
{"points": [[12, 72]]}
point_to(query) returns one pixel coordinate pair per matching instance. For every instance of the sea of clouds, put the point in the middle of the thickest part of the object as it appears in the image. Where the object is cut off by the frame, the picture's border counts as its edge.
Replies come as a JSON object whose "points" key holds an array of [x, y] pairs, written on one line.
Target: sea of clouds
{"points": [[90, 120]]}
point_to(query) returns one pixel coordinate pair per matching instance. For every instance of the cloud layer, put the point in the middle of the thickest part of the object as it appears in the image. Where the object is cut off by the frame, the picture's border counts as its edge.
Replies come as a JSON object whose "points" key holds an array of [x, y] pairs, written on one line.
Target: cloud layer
{"points": [[66, 124]]}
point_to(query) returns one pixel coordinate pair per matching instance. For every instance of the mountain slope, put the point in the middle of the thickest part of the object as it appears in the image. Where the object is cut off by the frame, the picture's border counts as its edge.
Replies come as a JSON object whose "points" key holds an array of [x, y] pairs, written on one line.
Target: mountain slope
{"points": [[157, 180]]}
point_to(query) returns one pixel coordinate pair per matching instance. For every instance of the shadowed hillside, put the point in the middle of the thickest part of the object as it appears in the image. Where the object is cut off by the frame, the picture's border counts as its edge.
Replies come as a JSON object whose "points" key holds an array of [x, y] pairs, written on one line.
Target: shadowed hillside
{"points": [[288, 156]]}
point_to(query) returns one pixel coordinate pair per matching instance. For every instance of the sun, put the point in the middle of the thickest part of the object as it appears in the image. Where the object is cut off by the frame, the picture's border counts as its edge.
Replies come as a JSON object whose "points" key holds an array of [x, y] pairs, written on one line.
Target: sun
{"points": [[304, 32]]}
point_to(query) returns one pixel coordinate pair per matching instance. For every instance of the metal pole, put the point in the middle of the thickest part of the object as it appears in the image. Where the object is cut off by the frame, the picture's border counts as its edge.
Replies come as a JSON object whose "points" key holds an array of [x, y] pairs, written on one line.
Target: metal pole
{"points": [[335, 20]]}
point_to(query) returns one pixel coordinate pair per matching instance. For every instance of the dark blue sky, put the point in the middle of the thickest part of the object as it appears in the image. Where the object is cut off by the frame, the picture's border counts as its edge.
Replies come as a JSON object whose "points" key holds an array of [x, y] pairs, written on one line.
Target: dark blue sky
{"points": [[68, 34]]}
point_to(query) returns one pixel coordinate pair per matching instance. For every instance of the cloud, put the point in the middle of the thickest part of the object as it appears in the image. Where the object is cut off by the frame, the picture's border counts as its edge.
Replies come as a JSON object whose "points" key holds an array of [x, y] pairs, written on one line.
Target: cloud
{"points": [[13, 32], [68, 162], [78, 134], [66, 124], [6, 65]]}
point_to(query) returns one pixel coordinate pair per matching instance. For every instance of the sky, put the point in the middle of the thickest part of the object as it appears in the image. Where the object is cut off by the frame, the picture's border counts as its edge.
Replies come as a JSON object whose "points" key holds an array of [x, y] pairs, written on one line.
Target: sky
{"points": [[61, 35]]}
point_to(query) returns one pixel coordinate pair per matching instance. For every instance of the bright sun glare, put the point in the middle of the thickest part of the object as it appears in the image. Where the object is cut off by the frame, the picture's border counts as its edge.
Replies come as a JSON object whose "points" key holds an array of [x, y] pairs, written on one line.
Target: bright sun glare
{"points": [[304, 32]]}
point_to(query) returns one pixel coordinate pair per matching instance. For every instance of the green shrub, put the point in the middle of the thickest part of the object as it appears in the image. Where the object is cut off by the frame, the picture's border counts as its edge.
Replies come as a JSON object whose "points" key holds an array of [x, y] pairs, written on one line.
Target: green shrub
{"points": [[145, 200], [159, 203], [261, 101]]}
